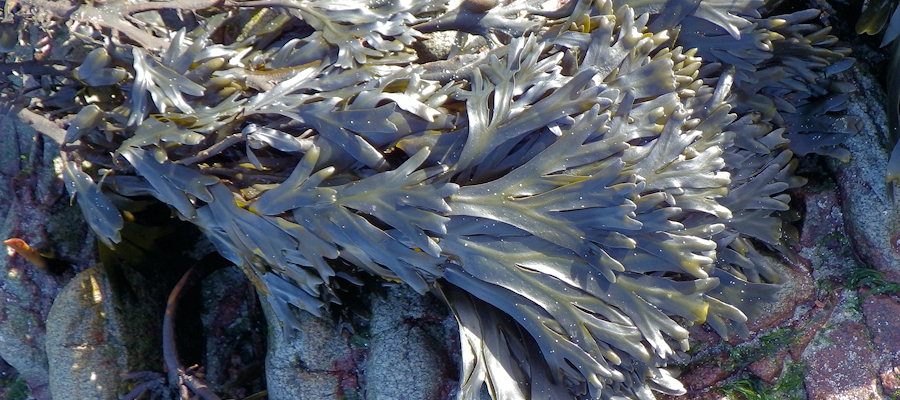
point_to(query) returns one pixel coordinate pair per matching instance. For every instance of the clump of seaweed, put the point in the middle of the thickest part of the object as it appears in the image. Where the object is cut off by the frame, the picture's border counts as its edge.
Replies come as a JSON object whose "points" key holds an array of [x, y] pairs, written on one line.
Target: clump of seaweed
{"points": [[581, 187]]}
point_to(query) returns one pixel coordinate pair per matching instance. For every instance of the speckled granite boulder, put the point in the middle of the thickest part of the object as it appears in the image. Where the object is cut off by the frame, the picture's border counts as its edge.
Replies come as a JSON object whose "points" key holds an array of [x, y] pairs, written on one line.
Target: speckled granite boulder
{"points": [[403, 352], [98, 329], [409, 357]]}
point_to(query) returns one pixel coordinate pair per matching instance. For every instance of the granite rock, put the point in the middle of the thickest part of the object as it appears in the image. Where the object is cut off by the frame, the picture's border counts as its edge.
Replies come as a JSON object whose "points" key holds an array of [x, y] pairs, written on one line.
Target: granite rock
{"points": [[407, 357], [97, 330], [840, 358]]}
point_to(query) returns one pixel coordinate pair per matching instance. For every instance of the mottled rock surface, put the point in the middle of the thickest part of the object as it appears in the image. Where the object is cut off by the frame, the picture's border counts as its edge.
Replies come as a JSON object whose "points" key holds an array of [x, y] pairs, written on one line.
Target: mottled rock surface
{"points": [[304, 364], [408, 356], [234, 333], [871, 212], [882, 316], [33, 207], [98, 329]]}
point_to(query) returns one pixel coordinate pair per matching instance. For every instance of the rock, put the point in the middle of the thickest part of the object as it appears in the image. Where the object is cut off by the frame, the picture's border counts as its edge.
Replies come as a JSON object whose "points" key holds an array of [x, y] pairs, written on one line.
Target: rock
{"points": [[872, 215], [825, 245], [807, 326], [33, 207], [840, 360], [408, 358], [99, 328], [301, 364], [706, 374], [234, 332], [768, 368], [438, 45], [890, 382], [882, 315], [796, 288], [402, 352]]}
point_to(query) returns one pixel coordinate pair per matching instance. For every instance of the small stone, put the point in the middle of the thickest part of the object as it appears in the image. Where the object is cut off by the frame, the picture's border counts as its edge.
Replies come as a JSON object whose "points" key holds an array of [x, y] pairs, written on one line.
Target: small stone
{"points": [[768, 368]]}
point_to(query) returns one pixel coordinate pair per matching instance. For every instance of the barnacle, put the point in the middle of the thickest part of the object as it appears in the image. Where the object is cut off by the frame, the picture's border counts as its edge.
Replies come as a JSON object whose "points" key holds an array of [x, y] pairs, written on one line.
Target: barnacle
{"points": [[599, 179]]}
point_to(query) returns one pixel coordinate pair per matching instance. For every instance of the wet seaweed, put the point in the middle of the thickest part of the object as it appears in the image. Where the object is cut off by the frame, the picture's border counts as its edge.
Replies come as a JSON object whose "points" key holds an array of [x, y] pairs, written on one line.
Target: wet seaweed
{"points": [[594, 180]]}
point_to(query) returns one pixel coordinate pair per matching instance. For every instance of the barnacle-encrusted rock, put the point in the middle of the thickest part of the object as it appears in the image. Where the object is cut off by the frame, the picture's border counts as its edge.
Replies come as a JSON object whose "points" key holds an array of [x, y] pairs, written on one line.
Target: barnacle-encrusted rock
{"points": [[579, 191]]}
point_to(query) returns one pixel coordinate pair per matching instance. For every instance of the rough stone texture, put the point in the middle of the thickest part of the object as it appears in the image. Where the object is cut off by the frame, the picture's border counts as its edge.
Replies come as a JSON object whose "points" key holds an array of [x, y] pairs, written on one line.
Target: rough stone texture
{"points": [[405, 353], [796, 288], [840, 359], [302, 366], [407, 359], [768, 368], [882, 314], [871, 215], [233, 331], [97, 330], [807, 326], [705, 374], [33, 207], [824, 247]]}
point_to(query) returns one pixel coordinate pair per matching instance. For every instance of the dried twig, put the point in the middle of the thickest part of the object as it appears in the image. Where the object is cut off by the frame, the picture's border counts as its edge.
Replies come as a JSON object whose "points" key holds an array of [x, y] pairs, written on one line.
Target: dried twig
{"points": [[177, 372], [43, 125], [49, 67], [213, 150]]}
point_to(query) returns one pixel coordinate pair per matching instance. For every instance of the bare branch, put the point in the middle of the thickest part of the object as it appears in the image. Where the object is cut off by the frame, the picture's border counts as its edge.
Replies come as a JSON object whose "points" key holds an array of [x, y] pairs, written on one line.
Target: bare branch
{"points": [[132, 8], [213, 150], [177, 372], [261, 3], [49, 67], [43, 125]]}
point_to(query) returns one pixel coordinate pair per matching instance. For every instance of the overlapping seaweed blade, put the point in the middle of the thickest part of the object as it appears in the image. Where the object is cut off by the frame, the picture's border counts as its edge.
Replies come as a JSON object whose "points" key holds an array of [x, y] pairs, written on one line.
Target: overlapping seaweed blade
{"points": [[593, 181]]}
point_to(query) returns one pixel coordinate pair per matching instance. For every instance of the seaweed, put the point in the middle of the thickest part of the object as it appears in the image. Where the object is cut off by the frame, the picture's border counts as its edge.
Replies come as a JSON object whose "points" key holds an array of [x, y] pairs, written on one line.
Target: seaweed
{"points": [[598, 179]]}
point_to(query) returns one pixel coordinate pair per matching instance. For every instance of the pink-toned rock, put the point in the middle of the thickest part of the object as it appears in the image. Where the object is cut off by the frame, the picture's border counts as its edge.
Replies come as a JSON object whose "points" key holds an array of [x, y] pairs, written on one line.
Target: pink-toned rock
{"points": [[809, 325], [768, 368], [704, 375], [841, 367], [709, 394], [883, 319], [872, 216], [797, 288], [890, 382]]}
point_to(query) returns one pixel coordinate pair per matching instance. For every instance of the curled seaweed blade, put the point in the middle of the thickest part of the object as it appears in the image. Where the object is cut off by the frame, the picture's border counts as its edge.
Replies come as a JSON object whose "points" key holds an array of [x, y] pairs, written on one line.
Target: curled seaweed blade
{"points": [[300, 189], [164, 84], [171, 183], [362, 32], [86, 119], [153, 131], [259, 135], [587, 328], [403, 199], [498, 353], [99, 212], [94, 72]]}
